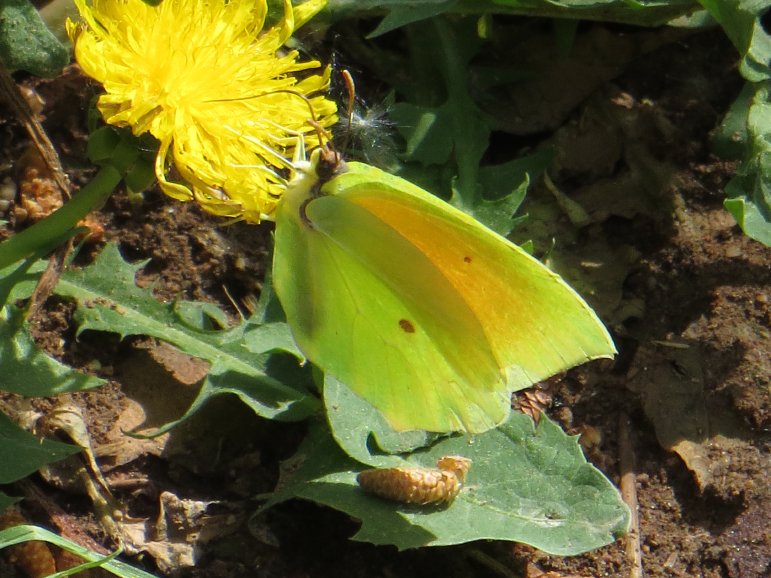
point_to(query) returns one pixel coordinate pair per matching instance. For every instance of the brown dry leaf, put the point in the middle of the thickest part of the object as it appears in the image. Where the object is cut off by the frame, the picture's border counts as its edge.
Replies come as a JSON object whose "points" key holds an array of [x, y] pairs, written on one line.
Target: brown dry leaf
{"points": [[151, 384], [118, 448], [670, 381], [184, 368], [536, 399], [702, 431], [152, 398], [71, 473], [67, 418], [532, 402], [72, 527], [594, 267], [175, 539]]}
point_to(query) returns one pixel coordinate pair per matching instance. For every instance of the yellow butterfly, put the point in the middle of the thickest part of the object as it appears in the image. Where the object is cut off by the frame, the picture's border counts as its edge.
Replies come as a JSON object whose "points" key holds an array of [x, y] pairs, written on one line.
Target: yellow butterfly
{"points": [[420, 309]]}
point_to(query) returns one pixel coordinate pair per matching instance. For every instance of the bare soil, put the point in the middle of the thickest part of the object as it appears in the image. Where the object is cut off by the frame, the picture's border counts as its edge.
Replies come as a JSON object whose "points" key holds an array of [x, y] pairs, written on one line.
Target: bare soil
{"points": [[692, 375]]}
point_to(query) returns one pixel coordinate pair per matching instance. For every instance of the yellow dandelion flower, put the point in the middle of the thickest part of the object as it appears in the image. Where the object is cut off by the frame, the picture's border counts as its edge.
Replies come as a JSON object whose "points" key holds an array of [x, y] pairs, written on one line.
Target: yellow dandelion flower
{"points": [[213, 86]]}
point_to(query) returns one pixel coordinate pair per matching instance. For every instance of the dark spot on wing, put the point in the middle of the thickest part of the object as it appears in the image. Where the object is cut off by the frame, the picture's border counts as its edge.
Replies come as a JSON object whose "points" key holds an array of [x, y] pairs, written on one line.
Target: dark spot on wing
{"points": [[406, 325], [467, 259]]}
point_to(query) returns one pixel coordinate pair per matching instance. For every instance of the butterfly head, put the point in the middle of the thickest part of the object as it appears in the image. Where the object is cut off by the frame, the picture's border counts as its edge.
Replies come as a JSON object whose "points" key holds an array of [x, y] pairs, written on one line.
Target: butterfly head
{"points": [[330, 163]]}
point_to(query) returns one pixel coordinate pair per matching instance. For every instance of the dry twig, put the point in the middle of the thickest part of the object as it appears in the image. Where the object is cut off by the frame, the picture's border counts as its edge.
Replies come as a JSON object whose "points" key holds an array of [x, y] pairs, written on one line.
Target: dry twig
{"points": [[629, 495], [10, 91]]}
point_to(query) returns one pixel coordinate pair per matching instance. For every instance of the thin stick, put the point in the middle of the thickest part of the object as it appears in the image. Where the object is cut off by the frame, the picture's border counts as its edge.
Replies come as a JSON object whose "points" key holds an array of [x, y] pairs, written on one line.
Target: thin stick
{"points": [[36, 131], [49, 279], [233, 302], [629, 495]]}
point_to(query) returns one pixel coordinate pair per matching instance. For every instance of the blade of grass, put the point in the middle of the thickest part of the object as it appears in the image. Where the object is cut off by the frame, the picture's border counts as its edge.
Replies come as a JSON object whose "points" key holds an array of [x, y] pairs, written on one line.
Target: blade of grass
{"points": [[18, 534]]}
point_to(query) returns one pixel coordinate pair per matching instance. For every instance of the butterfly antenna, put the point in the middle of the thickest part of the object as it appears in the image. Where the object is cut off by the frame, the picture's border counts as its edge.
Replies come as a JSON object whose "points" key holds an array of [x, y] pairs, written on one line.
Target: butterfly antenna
{"points": [[299, 150], [350, 87], [321, 133], [260, 95]]}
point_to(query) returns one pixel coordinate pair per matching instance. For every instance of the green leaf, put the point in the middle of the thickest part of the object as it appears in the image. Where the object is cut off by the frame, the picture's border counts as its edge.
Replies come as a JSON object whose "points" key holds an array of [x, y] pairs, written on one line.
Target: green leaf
{"points": [[27, 370], [530, 485], [26, 43], [102, 143], [133, 156], [732, 138], [200, 315], [406, 13], [456, 132], [7, 501], [741, 21], [353, 422], [20, 534], [22, 453], [505, 186], [638, 12], [747, 129], [449, 140], [18, 281], [427, 131], [243, 359]]}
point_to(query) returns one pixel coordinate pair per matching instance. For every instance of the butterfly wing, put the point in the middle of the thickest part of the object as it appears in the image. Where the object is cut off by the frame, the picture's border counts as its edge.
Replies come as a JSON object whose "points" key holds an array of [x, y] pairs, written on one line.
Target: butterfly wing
{"points": [[536, 323], [425, 313]]}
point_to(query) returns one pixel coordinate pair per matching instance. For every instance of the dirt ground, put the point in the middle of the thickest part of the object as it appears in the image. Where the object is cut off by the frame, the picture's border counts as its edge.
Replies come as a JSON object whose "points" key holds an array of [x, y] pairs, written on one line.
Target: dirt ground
{"points": [[691, 319]]}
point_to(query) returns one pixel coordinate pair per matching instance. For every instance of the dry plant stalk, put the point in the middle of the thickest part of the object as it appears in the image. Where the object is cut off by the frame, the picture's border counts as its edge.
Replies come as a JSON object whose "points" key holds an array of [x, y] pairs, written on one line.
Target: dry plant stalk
{"points": [[26, 115], [629, 495]]}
